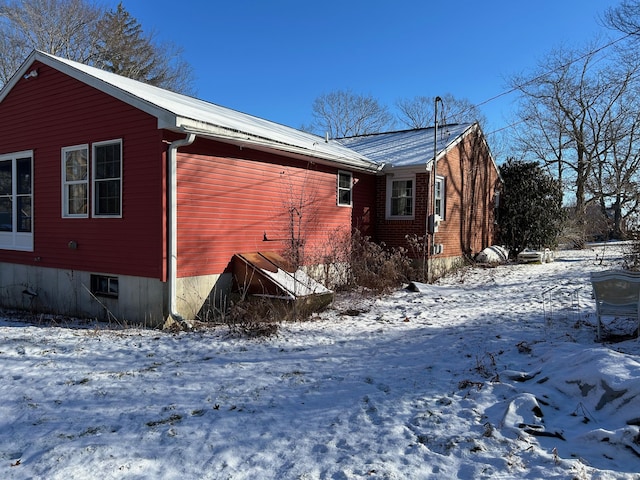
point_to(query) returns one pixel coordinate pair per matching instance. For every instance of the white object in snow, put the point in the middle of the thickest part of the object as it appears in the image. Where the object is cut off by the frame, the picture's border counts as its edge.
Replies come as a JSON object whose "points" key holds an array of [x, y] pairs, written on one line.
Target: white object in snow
{"points": [[536, 256], [493, 254]]}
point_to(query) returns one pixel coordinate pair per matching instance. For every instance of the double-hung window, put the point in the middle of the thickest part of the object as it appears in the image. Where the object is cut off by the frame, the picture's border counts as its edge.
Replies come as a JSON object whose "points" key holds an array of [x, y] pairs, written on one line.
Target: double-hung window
{"points": [[98, 178], [107, 181], [400, 197], [345, 184], [16, 201], [75, 181]]}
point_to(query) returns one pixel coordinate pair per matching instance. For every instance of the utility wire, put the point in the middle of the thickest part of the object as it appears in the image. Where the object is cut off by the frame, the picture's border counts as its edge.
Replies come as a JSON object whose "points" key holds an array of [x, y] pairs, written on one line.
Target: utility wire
{"points": [[553, 70]]}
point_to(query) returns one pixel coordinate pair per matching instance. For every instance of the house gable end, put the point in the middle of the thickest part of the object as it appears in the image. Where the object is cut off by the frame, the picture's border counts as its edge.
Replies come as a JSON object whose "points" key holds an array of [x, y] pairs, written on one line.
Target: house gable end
{"points": [[186, 114]]}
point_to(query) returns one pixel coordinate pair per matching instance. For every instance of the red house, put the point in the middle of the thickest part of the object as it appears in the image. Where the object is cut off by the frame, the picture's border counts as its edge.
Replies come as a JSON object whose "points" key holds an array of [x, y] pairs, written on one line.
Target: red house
{"points": [[124, 200]]}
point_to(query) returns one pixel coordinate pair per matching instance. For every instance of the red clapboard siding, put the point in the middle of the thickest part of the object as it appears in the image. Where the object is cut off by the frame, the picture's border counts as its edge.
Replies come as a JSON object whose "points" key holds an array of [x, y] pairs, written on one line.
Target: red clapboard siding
{"points": [[226, 205], [52, 111], [364, 207]]}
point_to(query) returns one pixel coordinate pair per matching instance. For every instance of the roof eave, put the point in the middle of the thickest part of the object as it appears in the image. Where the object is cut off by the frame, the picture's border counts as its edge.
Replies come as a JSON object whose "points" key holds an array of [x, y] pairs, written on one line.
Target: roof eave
{"points": [[169, 120], [244, 139]]}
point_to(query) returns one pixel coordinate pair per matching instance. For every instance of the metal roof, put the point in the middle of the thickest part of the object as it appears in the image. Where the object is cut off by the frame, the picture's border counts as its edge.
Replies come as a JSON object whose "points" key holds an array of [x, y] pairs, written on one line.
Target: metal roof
{"points": [[407, 148], [182, 113]]}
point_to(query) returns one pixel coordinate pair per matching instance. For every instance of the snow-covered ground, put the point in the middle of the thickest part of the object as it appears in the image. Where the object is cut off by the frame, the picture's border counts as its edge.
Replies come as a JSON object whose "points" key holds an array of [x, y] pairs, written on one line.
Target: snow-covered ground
{"points": [[481, 376]]}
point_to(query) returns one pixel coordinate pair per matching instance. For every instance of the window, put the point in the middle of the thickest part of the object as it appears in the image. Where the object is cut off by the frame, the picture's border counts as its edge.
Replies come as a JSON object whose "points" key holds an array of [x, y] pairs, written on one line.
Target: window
{"points": [[104, 286], [107, 185], [400, 195], [16, 201], [105, 171], [439, 197], [345, 184], [75, 181]]}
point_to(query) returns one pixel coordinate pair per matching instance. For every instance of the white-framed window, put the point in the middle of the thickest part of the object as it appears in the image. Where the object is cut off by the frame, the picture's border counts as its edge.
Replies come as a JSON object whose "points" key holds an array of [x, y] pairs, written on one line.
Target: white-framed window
{"points": [[440, 197], [401, 197], [107, 179], [98, 178], [75, 181], [345, 186], [16, 201]]}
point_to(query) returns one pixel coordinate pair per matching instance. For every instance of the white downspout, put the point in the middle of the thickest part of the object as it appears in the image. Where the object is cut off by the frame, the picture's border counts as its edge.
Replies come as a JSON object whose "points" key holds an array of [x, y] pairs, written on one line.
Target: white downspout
{"points": [[172, 218]]}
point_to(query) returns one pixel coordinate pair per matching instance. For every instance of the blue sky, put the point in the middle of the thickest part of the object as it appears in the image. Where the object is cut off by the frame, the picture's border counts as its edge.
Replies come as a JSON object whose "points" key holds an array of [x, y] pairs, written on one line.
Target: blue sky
{"points": [[272, 58]]}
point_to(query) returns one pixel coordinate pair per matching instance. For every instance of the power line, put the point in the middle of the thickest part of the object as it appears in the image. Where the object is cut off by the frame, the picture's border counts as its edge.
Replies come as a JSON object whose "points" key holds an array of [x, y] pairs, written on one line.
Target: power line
{"points": [[549, 72]]}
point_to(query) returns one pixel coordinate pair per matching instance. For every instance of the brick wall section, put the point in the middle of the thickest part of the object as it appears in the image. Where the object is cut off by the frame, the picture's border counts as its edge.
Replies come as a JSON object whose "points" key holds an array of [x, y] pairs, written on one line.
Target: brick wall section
{"points": [[470, 183]]}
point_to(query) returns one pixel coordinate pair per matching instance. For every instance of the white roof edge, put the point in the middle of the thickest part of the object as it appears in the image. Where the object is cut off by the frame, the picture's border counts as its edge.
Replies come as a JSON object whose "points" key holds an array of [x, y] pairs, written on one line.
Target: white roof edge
{"points": [[300, 153], [486, 144], [69, 68], [241, 127], [354, 160], [453, 143]]}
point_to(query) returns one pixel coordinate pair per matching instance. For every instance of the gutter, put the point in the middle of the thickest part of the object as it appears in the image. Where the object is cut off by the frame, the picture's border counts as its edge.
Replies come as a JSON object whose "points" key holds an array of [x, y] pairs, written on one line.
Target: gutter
{"points": [[240, 138], [172, 225]]}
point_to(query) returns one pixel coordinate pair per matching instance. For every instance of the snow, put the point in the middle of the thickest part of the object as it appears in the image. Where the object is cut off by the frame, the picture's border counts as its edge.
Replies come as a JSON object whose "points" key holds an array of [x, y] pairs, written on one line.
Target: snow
{"points": [[475, 377], [184, 113], [407, 148], [297, 284]]}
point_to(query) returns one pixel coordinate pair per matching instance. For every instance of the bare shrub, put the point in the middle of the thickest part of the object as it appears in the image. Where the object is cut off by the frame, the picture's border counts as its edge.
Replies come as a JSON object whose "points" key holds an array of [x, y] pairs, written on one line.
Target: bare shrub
{"points": [[419, 248], [351, 261], [373, 267], [253, 318]]}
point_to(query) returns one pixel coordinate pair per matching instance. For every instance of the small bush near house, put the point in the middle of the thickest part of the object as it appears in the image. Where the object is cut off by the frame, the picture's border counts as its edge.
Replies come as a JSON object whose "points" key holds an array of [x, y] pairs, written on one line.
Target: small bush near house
{"points": [[254, 318], [367, 266]]}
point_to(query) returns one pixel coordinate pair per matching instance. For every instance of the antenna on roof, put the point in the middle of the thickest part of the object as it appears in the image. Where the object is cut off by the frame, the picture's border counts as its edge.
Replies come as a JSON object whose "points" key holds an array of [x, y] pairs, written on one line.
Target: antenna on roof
{"points": [[326, 137]]}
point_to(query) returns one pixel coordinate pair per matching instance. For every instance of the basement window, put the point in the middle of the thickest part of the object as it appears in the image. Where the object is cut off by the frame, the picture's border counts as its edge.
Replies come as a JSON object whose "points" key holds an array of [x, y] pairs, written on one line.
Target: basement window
{"points": [[104, 286]]}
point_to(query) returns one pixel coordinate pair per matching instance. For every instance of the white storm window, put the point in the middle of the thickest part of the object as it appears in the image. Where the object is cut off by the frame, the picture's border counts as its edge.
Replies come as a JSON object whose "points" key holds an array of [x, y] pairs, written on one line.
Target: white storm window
{"points": [[400, 197], [345, 185], [439, 197], [75, 181], [16, 201]]}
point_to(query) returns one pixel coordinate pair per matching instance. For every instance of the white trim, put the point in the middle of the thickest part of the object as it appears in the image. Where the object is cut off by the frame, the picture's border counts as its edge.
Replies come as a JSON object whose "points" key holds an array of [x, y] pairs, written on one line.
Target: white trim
{"points": [[94, 181], [339, 188], [181, 113], [15, 240], [443, 197], [388, 193], [65, 197]]}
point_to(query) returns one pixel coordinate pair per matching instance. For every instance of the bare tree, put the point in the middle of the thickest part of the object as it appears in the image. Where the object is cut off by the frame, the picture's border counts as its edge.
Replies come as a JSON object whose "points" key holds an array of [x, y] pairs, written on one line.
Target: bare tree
{"points": [[624, 17], [61, 27], [85, 32], [558, 109], [418, 112], [574, 116], [616, 174], [343, 113]]}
